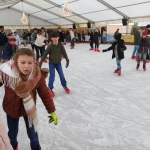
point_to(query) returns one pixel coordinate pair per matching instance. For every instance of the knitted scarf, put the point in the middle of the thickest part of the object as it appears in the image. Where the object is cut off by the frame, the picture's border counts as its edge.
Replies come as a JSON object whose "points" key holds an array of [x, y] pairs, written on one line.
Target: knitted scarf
{"points": [[10, 76]]}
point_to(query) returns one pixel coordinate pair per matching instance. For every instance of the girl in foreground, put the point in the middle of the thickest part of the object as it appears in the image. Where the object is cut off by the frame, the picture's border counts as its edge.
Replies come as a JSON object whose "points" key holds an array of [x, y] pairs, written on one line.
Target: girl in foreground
{"points": [[22, 78]]}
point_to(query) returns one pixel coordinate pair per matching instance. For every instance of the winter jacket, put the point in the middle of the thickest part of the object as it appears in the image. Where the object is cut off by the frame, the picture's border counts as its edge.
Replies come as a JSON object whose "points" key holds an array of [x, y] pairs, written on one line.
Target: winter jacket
{"points": [[13, 105], [91, 36], [55, 53], [72, 34], [3, 38], [40, 41], [144, 45], [120, 49], [8, 52], [33, 37], [136, 38], [4, 140]]}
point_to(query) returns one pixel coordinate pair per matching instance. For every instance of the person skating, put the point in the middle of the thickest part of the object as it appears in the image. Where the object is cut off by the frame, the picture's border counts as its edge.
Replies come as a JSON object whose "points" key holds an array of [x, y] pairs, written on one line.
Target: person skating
{"points": [[3, 40], [91, 40], [33, 38], [96, 40], [137, 34], [72, 38], [118, 48], [9, 49], [144, 45], [23, 79], [55, 51]]}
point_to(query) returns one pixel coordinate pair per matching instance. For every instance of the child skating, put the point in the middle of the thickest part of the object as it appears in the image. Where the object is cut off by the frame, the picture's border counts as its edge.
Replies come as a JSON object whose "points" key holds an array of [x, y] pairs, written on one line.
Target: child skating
{"points": [[118, 48], [144, 45], [22, 80], [55, 51]]}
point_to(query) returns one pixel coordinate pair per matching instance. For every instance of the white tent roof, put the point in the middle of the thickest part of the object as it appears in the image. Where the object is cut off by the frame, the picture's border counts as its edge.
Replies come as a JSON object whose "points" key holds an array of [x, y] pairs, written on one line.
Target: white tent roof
{"points": [[47, 12]]}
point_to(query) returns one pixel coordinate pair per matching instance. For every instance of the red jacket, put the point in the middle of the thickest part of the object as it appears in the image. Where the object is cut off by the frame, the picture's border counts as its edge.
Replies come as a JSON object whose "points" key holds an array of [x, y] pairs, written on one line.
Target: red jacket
{"points": [[13, 105]]}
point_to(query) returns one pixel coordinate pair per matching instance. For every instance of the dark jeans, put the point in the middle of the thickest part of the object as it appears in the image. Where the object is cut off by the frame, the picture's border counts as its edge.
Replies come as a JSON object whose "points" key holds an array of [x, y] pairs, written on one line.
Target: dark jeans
{"points": [[37, 52], [13, 132], [72, 42], [1, 51], [43, 48], [144, 58], [52, 68], [96, 44], [91, 44], [32, 45]]}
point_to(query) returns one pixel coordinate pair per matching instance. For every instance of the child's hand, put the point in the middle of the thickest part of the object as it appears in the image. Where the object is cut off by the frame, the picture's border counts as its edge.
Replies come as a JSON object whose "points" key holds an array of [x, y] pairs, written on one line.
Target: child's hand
{"points": [[53, 117], [105, 50], [67, 63]]}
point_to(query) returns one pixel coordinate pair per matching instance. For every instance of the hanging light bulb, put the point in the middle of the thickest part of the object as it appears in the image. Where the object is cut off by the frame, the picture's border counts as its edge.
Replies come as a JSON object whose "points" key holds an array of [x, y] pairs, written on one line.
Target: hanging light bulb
{"points": [[66, 10], [24, 19]]}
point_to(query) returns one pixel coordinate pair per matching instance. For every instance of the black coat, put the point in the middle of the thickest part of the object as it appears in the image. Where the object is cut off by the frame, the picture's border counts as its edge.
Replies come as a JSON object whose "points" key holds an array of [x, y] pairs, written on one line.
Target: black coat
{"points": [[3, 39], [96, 37], [8, 52], [91, 36], [61, 39], [120, 49]]}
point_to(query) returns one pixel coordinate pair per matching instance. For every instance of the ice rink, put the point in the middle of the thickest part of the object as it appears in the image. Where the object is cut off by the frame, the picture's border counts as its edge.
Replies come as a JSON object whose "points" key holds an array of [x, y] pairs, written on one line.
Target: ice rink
{"points": [[102, 112]]}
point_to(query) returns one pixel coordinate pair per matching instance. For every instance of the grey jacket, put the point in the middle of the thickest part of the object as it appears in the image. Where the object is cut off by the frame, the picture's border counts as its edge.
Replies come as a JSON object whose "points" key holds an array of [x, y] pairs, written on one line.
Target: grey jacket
{"points": [[144, 45]]}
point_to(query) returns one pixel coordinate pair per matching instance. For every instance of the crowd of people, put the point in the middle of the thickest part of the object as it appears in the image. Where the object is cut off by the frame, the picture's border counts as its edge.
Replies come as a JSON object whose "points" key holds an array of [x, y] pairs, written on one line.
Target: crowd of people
{"points": [[22, 76]]}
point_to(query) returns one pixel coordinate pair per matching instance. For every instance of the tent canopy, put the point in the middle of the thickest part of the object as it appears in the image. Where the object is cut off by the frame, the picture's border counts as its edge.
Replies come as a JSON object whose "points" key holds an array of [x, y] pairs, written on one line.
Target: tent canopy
{"points": [[47, 12]]}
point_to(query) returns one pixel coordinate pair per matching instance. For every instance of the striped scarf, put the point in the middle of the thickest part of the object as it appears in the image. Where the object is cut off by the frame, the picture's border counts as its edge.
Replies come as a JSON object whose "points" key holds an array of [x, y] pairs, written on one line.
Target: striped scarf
{"points": [[10, 76]]}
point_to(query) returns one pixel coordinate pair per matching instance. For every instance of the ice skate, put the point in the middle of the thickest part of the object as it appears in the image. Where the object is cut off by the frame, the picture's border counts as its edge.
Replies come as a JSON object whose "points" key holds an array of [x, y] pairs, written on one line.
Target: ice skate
{"points": [[66, 89], [119, 72], [133, 57], [116, 71], [91, 48], [52, 94], [144, 67], [137, 67]]}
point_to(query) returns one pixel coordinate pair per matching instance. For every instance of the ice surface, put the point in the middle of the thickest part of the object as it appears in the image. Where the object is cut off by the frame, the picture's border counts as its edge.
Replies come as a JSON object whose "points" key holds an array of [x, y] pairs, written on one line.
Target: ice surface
{"points": [[102, 112]]}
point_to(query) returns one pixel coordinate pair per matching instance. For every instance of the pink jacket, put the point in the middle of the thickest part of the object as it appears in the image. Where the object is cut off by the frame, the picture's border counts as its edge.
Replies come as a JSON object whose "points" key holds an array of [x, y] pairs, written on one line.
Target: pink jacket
{"points": [[4, 140]]}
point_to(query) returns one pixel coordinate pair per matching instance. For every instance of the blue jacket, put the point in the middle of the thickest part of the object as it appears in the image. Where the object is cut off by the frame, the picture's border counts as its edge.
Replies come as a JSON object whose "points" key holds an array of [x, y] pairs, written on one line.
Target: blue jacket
{"points": [[8, 52]]}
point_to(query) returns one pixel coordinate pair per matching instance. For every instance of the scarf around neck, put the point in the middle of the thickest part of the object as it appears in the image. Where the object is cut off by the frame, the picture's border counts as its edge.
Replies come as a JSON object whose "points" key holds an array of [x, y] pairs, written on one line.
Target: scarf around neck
{"points": [[10, 76]]}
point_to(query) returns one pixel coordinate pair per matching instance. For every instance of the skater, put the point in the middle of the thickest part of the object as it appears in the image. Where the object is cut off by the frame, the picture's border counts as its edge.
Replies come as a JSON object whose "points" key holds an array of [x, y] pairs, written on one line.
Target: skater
{"points": [[96, 40], [4, 140], [72, 38], [3, 40], [136, 42], [9, 49], [22, 79], [33, 38], [39, 42], [55, 51], [18, 41], [144, 45], [118, 48], [91, 40]]}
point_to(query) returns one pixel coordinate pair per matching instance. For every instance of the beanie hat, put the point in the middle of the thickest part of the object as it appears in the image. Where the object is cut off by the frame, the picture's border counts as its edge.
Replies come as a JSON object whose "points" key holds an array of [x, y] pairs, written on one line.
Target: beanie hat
{"points": [[118, 36], [148, 26], [145, 32], [11, 38]]}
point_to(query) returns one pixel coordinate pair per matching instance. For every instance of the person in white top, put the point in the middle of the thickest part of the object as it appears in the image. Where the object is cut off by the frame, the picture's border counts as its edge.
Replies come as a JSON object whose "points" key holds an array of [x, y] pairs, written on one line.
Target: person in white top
{"points": [[18, 41], [72, 38], [39, 42]]}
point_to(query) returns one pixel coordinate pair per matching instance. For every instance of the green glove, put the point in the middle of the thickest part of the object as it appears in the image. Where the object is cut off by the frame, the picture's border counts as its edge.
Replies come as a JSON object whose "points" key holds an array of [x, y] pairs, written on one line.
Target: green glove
{"points": [[53, 117]]}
